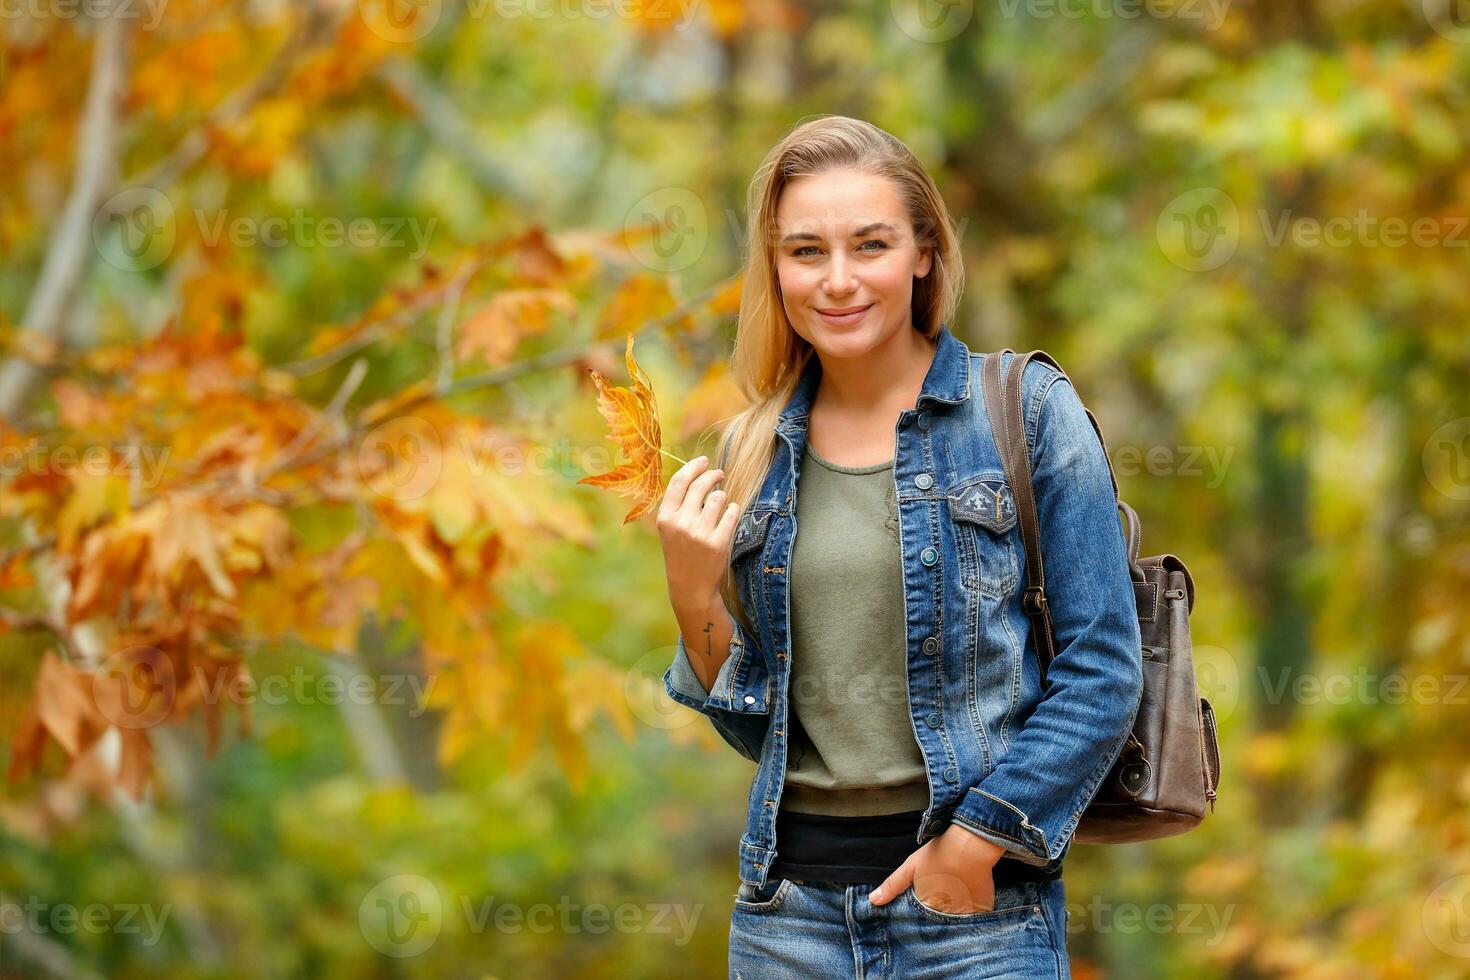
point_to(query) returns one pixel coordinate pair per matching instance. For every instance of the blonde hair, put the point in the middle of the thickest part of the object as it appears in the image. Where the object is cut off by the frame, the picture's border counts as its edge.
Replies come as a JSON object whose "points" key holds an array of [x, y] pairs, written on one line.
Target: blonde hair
{"points": [[769, 355]]}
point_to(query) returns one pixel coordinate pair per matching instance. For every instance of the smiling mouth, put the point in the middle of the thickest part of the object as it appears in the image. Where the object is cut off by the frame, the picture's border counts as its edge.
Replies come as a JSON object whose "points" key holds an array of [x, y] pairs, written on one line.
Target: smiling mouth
{"points": [[847, 316]]}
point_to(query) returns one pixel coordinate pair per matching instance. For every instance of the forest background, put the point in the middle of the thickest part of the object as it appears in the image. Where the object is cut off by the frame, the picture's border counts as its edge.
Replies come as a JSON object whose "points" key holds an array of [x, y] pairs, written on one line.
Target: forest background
{"points": [[316, 659]]}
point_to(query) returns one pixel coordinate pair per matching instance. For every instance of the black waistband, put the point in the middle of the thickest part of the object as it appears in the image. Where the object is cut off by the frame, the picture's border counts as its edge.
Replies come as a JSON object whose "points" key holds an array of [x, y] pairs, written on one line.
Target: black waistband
{"points": [[863, 850]]}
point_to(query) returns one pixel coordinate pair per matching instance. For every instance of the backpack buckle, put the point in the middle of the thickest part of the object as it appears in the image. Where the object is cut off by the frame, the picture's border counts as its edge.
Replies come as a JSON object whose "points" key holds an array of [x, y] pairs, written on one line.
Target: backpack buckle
{"points": [[1033, 600]]}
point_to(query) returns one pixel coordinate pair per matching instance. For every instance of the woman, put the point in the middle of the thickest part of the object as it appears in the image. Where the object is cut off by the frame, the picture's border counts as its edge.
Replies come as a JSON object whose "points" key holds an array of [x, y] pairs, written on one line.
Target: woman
{"points": [[914, 796]]}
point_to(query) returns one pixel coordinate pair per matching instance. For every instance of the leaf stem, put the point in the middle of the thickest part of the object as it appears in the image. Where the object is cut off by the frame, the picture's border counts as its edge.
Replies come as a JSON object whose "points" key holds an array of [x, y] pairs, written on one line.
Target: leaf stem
{"points": [[672, 456]]}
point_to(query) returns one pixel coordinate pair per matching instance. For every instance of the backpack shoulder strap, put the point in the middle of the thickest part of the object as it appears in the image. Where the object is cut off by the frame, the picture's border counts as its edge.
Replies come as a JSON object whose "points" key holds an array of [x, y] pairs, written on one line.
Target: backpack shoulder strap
{"points": [[1005, 408]]}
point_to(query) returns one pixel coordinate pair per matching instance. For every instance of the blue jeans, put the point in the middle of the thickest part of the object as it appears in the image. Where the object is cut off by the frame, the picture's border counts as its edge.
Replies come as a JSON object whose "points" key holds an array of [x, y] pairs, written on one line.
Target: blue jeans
{"points": [[788, 928]]}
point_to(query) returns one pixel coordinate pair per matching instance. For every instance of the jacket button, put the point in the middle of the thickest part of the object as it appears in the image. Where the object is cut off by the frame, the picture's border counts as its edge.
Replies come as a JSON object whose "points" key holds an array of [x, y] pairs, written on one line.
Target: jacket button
{"points": [[749, 699], [931, 645], [923, 481], [923, 420], [951, 775], [933, 719], [929, 556]]}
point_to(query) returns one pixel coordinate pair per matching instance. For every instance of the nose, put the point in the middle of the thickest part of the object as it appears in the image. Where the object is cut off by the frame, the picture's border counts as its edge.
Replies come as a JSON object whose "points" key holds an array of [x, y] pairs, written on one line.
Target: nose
{"points": [[839, 281]]}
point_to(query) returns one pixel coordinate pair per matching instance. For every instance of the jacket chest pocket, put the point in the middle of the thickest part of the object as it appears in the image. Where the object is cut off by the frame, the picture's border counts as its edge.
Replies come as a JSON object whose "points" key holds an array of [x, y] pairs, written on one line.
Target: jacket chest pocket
{"points": [[983, 514]]}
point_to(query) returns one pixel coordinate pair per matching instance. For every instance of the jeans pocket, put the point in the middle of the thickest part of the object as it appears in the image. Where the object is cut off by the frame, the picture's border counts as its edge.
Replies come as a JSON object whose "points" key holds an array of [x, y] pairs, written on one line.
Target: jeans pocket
{"points": [[762, 898], [1014, 903]]}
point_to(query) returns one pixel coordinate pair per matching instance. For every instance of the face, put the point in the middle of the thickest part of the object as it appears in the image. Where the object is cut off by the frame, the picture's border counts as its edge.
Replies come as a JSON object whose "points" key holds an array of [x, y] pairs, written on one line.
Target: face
{"points": [[846, 260]]}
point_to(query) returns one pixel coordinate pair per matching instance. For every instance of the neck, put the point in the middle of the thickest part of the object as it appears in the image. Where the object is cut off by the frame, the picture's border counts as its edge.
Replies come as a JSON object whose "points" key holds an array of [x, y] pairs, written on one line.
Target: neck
{"points": [[891, 374]]}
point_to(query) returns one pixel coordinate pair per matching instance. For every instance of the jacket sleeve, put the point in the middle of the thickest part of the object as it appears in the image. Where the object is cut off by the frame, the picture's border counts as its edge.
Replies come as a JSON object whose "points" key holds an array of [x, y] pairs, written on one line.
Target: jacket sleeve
{"points": [[1031, 802], [738, 706]]}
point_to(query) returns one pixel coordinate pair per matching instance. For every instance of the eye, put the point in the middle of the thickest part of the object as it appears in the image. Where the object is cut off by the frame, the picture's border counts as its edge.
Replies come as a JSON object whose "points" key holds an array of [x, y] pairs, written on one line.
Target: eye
{"points": [[882, 245], [801, 252]]}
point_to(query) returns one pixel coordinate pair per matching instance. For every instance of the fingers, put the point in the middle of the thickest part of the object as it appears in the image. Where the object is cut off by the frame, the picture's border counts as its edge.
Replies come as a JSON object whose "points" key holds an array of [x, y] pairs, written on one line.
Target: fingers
{"points": [[678, 487], [715, 506], [729, 520], [894, 884], [693, 503]]}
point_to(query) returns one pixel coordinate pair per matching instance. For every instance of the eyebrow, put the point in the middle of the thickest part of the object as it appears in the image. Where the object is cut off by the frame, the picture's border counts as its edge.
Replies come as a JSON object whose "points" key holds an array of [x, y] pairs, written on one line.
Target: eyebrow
{"points": [[868, 229]]}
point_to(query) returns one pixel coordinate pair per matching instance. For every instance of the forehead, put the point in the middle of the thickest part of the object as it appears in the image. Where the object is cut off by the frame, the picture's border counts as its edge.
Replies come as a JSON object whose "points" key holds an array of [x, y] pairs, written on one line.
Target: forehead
{"points": [[839, 201]]}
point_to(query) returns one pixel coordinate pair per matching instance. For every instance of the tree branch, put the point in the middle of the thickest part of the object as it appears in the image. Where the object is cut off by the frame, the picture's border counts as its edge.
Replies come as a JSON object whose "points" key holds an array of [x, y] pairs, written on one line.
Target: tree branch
{"points": [[69, 254]]}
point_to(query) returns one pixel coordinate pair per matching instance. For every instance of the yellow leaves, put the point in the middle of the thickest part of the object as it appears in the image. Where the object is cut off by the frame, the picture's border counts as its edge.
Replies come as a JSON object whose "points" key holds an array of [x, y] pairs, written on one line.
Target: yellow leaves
{"points": [[727, 300], [179, 543], [395, 22], [268, 133], [28, 345], [592, 686], [715, 397], [536, 260], [189, 74], [726, 17], [65, 706], [1268, 755], [496, 328], [632, 415], [93, 497], [77, 407], [639, 299], [384, 409], [462, 502]]}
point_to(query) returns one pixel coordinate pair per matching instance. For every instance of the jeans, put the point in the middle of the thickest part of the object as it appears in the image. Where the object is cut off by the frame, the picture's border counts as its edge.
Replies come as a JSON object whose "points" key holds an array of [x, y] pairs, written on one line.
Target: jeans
{"points": [[789, 928]]}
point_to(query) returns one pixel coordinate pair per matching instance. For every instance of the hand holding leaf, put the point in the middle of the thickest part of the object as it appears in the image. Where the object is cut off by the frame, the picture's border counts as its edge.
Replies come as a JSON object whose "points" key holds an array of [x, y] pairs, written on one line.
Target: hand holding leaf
{"points": [[632, 414], [695, 521]]}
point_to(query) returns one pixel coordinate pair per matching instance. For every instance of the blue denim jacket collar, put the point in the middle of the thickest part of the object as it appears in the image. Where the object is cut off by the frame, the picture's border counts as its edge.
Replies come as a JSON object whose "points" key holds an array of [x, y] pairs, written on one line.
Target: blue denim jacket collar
{"points": [[948, 380]]}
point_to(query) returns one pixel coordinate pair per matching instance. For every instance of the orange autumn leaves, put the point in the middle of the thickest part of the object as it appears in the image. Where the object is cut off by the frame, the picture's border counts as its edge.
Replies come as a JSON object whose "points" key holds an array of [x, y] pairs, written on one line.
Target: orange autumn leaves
{"points": [[136, 688], [632, 414]]}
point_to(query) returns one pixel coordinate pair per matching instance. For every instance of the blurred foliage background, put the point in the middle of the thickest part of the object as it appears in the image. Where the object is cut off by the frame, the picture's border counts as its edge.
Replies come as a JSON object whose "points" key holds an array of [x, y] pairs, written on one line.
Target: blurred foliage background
{"points": [[316, 661]]}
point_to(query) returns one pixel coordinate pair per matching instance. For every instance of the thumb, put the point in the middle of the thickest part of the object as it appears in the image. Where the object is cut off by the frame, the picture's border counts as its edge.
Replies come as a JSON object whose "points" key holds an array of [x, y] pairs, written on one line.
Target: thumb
{"points": [[894, 884]]}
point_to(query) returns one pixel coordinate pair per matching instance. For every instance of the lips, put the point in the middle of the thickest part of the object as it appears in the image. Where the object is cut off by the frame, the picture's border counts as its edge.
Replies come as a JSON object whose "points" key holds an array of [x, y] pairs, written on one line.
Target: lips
{"points": [[843, 316]]}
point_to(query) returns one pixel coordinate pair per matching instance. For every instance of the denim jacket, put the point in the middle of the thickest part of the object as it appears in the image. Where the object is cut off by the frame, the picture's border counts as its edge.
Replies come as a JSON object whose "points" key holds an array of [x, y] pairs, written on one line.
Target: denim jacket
{"points": [[1005, 759]]}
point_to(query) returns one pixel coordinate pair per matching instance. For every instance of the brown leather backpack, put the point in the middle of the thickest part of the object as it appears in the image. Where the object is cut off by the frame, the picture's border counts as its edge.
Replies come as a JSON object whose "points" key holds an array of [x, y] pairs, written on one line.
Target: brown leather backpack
{"points": [[1168, 771]]}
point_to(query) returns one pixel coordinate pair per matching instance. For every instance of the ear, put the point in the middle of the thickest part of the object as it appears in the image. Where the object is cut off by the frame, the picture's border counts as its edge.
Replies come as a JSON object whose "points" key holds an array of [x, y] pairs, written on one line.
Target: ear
{"points": [[926, 261]]}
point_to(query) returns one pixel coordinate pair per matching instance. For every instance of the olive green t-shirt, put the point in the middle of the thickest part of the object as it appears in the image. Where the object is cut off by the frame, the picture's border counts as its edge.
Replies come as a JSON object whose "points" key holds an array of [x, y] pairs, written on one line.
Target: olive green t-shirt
{"points": [[852, 746]]}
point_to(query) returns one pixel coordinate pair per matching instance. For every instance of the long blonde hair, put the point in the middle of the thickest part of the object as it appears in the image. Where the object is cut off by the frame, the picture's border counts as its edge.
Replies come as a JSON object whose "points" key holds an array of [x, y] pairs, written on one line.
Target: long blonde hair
{"points": [[769, 355]]}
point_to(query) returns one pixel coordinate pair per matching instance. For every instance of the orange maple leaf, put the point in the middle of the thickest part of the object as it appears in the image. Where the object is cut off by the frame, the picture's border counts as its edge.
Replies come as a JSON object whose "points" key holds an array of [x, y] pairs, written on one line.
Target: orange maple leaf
{"points": [[632, 413]]}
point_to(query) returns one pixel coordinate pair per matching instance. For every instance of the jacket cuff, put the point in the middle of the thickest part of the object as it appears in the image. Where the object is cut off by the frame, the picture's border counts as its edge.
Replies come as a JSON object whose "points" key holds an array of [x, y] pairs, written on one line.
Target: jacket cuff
{"points": [[741, 685], [1000, 822]]}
